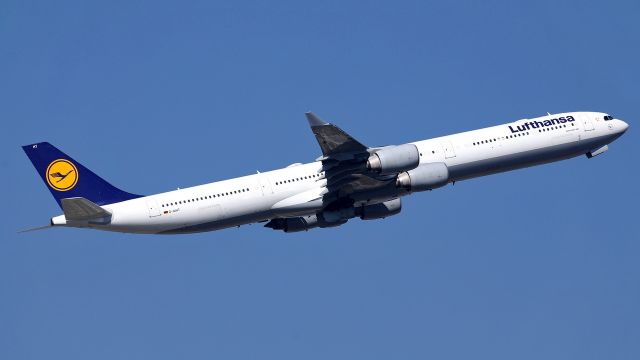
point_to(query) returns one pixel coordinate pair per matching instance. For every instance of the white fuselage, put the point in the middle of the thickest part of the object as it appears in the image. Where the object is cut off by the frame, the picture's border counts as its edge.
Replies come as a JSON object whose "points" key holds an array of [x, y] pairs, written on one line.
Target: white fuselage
{"points": [[263, 196]]}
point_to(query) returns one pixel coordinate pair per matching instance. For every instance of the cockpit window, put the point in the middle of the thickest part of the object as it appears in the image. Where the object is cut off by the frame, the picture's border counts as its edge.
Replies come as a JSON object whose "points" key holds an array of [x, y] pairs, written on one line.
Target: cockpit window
{"points": [[608, 117]]}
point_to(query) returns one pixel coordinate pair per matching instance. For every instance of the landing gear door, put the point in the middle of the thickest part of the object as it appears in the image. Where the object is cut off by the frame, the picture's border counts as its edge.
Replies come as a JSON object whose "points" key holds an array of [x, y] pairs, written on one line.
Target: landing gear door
{"points": [[154, 210], [449, 152]]}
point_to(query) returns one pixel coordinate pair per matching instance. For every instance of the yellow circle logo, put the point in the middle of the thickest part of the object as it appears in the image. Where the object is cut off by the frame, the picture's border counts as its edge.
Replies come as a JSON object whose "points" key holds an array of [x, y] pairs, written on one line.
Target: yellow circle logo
{"points": [[62, 175]]}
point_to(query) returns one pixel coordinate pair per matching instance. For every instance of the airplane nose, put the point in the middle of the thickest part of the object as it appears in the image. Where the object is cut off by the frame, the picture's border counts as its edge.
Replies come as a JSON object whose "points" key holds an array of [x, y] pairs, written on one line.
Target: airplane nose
{"points": [[623, 126]]}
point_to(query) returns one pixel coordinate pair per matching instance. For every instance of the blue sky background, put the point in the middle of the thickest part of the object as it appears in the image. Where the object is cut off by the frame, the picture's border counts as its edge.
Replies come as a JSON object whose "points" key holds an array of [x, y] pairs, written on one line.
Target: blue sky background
{"points": [[541, 263]]}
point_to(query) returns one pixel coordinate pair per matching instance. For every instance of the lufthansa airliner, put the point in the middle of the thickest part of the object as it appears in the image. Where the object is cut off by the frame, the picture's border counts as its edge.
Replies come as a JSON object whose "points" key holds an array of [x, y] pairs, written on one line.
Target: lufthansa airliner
{"points": [[350, 180]]}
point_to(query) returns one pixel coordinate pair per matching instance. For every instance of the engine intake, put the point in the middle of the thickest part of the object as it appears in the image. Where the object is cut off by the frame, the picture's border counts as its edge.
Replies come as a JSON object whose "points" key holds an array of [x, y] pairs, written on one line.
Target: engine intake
{"points": [[394, 159], [424, 177]]}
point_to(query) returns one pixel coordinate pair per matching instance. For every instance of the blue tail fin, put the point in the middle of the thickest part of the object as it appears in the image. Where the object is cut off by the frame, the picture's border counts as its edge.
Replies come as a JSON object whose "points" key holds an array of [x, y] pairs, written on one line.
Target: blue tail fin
{"points": [[67, 178]]}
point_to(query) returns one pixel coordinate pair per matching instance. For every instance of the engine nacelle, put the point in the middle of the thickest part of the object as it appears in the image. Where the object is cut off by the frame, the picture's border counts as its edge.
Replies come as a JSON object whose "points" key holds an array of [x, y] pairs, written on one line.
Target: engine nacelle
{"points": [[424, 177], [381, 210], [394, 159], [296, 224], [302, 223]]}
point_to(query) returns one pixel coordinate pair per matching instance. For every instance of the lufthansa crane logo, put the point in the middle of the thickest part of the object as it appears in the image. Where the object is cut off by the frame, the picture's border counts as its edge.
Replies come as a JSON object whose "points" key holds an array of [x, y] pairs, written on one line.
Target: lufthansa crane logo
{"points": [[62, 175]]}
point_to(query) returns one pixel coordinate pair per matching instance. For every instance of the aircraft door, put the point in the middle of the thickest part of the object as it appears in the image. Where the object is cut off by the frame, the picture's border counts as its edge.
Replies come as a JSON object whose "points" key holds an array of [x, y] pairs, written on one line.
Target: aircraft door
{"points": [[588, 123], [154, 210], [265, 185], [449, 152]]}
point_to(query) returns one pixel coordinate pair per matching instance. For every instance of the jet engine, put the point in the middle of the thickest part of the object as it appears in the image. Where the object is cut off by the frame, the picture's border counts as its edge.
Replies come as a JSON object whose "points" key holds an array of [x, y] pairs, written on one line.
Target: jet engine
{"points": [[424, 177], [393, 159], [296, 224], [302, 223], [381, 210]]}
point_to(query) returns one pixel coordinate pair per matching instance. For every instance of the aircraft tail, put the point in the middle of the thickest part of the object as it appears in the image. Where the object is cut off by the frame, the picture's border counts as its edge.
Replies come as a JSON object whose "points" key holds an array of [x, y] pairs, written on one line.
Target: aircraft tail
{"points": [[67, 178]]}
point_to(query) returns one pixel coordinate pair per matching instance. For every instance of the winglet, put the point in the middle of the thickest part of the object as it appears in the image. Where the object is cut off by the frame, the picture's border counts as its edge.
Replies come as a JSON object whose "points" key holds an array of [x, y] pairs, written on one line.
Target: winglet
{"points": [[314, 120]]}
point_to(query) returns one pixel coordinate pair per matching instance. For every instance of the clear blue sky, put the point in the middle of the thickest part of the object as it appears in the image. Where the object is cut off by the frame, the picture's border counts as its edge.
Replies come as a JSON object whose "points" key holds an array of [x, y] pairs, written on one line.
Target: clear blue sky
{"points": [[541, 263]]}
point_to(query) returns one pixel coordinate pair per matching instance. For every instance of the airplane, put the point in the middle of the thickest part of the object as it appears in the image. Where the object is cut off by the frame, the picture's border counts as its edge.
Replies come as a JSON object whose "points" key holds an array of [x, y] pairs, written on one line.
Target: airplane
{"points": [[350, 180]]}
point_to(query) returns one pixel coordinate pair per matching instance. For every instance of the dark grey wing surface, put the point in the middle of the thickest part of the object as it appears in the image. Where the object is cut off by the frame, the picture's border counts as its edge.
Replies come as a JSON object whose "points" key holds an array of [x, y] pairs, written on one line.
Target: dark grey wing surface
{"points": [[344, 167], [332, 140], [344, 162]]}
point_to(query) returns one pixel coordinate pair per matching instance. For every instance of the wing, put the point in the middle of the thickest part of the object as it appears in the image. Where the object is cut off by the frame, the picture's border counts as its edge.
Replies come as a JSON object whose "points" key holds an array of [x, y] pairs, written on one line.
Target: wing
{"points": [[344, 163], [333, 140], [349, 182]]}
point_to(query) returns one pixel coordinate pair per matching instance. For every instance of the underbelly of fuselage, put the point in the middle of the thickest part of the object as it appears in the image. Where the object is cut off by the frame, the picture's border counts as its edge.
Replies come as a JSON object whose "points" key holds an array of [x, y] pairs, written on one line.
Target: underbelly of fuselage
{"points": [[524, 159]]}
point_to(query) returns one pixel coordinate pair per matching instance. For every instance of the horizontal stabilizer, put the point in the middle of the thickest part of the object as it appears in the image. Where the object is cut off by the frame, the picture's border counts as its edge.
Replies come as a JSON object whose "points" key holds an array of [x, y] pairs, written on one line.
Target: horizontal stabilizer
{"points": [[81, 209], [35, 229]]}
